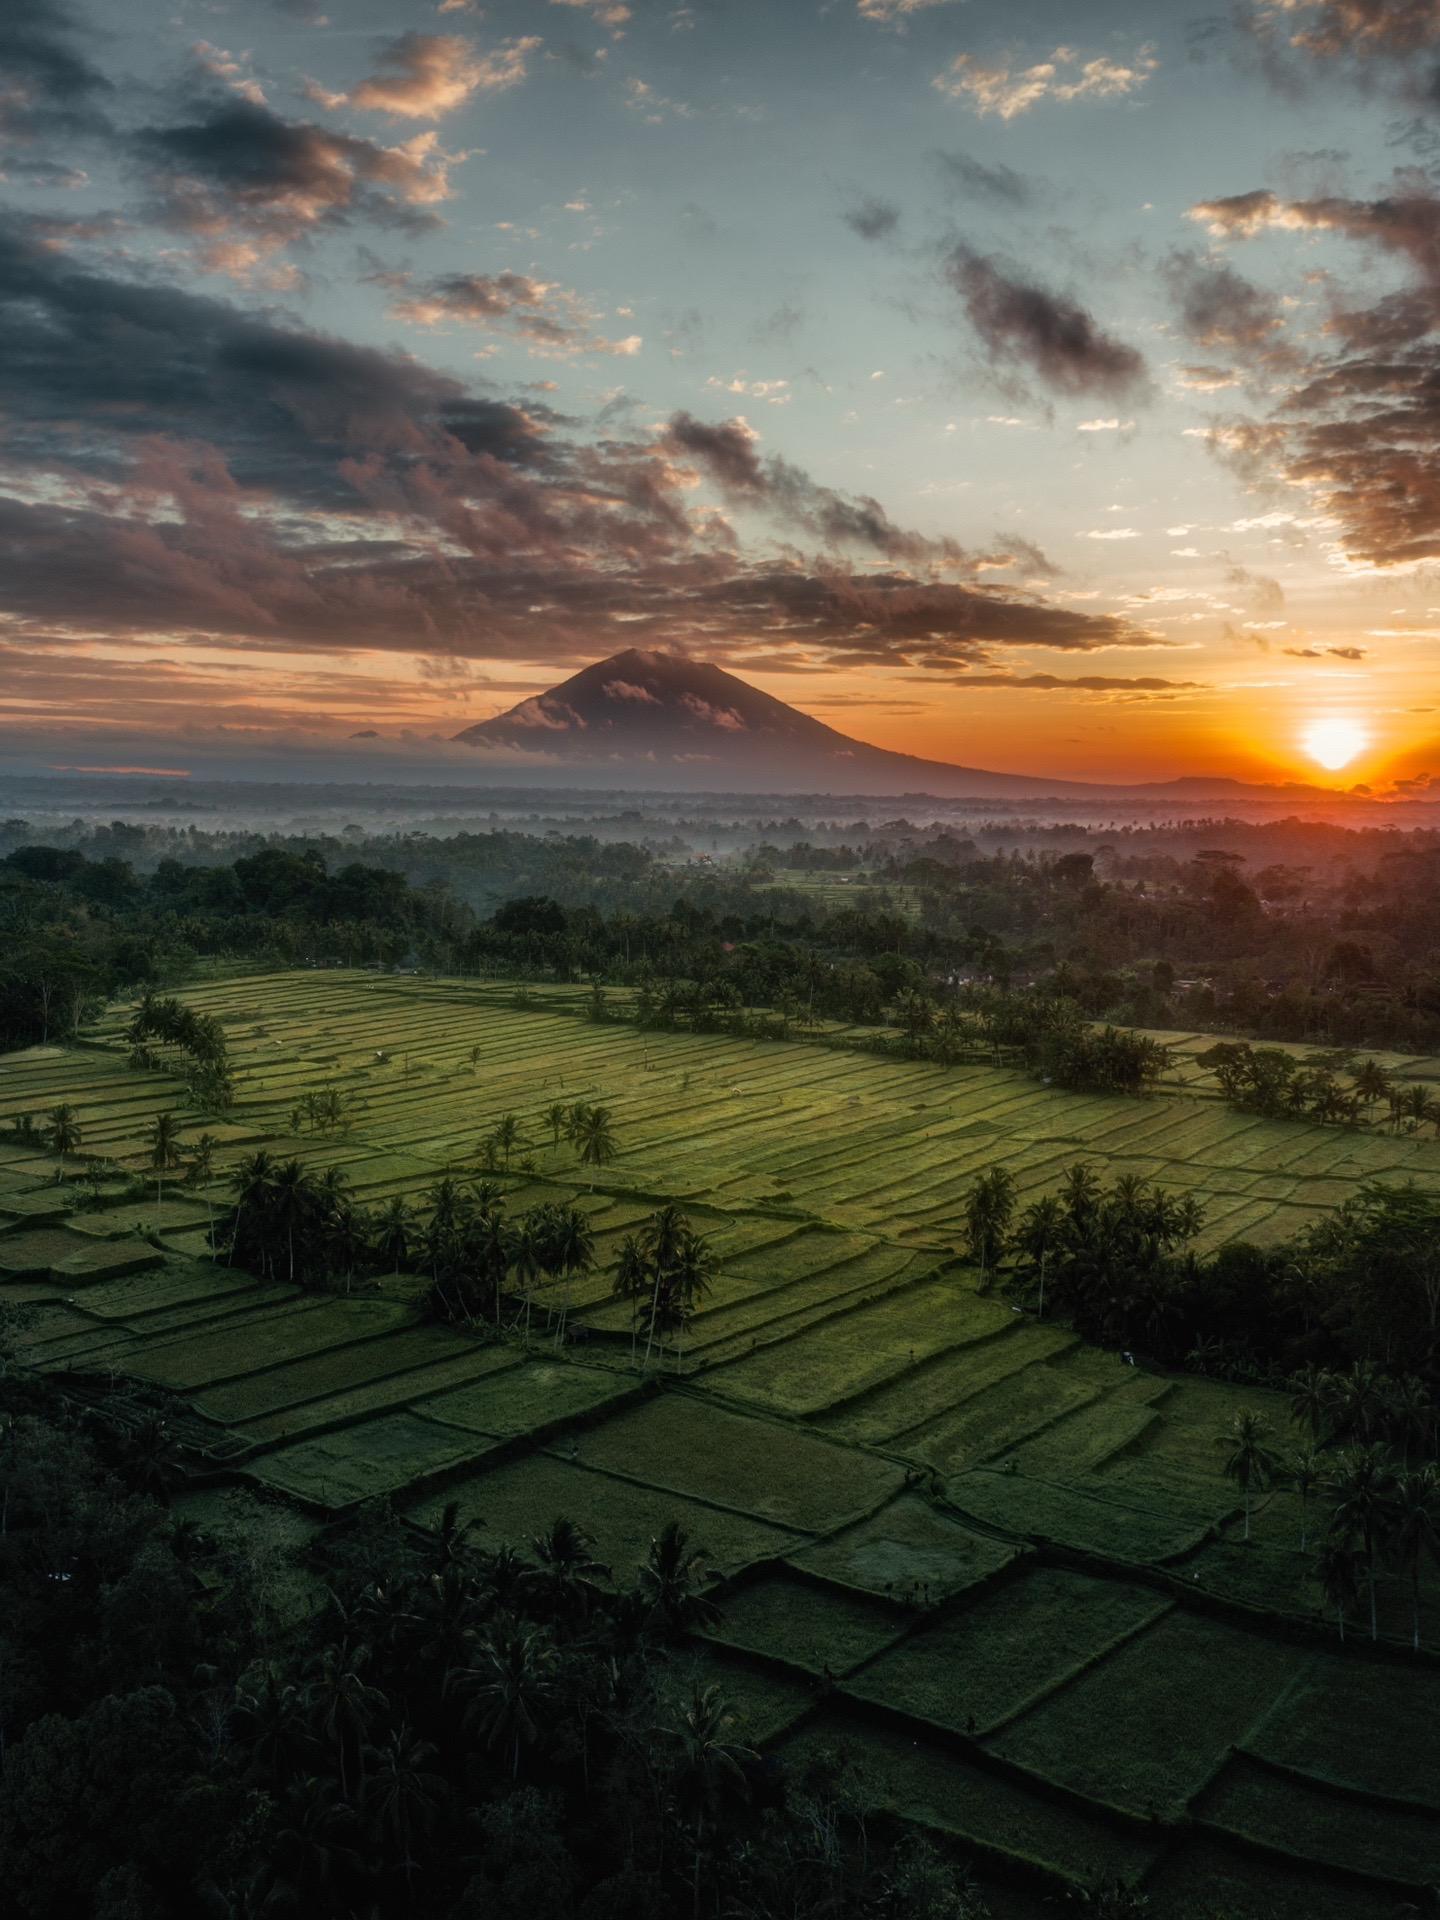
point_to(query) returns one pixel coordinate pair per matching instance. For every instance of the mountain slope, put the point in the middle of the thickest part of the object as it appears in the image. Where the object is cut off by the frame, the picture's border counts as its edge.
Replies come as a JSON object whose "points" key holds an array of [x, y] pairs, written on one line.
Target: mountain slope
{"points": [[641, 713]]}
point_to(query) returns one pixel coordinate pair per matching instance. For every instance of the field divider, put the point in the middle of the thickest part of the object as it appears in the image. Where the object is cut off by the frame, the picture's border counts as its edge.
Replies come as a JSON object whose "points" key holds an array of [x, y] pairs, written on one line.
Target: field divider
{"points": [[1067, 1679], [972, 1749], [1416, 1891], [848, 1303], [1322, 1784]]}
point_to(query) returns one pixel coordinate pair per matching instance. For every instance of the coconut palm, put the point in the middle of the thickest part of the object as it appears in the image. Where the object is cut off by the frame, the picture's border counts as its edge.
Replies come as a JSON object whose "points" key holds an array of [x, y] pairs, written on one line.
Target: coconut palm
{"points": [[1038, 1235], [557, 1116], [292, 1198], [1305, 1469], [164, 1150], [989, 1207], [1413, 1535], [509, 1690], [1337, 1568], [342, 1706], [595, 1138], [394, 1230], [508, 1137], [566, 1572], [1363, 1486], [709, 1767], [1372, 1082], [1249, 1460], [526, 1264], [1312, 1399], [631, 1282], [403, 1793], [63, 1132], [669, 1584]]}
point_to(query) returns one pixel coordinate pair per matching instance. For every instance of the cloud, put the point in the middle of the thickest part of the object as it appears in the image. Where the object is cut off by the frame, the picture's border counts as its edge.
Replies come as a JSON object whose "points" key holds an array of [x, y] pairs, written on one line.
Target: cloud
{"points": [[606, 13], [1111, 533], [1358, 430], [999, 185], [47, 85], [726, 719], [192, 483], [1080, 683], [1112, 425], [1006, 90], [1219, 308], [1320, 653], [423, 76], [1203, 379], [627, 690], [551, 318], [873, 219], [239, 171], [893, 13], [727, 452], [1021, 323], [1405, 221]]}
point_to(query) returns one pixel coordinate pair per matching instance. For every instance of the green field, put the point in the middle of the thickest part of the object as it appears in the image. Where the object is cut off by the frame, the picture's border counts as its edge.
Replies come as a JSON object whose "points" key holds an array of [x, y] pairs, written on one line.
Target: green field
{"points": [[999, 1564]]}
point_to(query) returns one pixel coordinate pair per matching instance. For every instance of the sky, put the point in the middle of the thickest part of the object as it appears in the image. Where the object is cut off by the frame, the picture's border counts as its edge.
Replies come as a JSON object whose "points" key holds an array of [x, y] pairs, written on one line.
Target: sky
{"points": [[1034, 384]]}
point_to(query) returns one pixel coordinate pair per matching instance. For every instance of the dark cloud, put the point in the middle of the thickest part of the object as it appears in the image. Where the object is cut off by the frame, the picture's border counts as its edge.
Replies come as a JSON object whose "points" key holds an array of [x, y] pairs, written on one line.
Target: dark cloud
{"points": [[1359, 430], [47, 84], [550, 317], [1405, 221], [177, 464], [873, 219], [728, 453], [1053, 337], [1219, 308], [239, 167], [997, 186]]}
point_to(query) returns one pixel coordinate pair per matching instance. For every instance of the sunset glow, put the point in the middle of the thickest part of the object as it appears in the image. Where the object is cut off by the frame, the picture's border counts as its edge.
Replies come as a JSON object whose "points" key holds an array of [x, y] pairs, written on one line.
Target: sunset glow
{"points": [[368, 370], [1335, 742]]}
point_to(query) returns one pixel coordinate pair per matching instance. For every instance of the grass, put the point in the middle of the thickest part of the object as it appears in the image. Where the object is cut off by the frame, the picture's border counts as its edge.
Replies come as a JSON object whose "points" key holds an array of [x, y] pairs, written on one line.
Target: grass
{"points": [[1147, 1726], [809, 1625], [984, 1662], [868, 1444], [1308, 1821]]}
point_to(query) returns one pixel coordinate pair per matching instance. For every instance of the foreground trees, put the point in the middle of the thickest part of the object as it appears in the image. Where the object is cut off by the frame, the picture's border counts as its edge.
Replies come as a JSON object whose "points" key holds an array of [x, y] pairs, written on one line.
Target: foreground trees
{"points": [[457, 1729]]}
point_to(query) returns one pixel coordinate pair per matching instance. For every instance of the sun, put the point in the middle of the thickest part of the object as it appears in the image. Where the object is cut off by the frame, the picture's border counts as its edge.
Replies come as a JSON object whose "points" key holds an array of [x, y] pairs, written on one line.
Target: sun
{"points": [[1335, 742]]}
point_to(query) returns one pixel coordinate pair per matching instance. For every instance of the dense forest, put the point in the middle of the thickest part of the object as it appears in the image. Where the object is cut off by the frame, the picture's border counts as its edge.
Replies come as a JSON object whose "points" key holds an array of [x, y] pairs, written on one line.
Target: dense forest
{"points": [[1343, 949]]}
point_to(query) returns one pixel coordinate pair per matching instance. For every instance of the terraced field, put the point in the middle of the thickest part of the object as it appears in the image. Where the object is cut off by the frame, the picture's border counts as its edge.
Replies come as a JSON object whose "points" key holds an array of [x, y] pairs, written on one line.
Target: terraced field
{"points": [[999, 1561]]}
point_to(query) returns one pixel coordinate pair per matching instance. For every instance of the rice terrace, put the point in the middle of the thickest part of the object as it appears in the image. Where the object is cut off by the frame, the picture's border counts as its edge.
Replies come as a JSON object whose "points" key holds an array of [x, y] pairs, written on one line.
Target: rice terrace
{"points": [[1002, 1564]]}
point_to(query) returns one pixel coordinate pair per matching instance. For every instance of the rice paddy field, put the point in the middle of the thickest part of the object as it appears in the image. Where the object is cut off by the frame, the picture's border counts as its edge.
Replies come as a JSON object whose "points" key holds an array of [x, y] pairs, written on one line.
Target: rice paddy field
{"points": [[997, 1564]]}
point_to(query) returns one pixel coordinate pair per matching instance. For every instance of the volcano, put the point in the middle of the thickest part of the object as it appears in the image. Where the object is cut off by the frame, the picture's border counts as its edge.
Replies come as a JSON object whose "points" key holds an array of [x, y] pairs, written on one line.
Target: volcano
{"points": [[645, 717]]}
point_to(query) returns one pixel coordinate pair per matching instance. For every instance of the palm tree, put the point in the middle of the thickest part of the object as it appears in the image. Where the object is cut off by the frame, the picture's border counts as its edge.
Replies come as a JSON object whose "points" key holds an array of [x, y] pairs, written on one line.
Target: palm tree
{"points": [[1360, 1400], [1249, 1461], [1338, 1573], [669, 1583], [1363, 1484], [571, 1252], [342, 1705], [164, 1150], [64, 1135], [292, 1196], [557, 1116], [989, 1207], [1372, 1082], [506, 1136], [1038, 1235], [525, 1263], [511, 1687], [1305, 1469], [709, 1767], [1312, 1399], [566, 1572], [595, 1138], [403, 1795], [1410, 1414], [254, 1183], [631, 1282], [1413, 1535], [393, 1231]]}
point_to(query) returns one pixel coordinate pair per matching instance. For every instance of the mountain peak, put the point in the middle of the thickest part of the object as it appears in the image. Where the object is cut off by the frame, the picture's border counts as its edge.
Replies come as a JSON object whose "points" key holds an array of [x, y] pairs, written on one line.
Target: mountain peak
{"points": [[652, 716]]}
